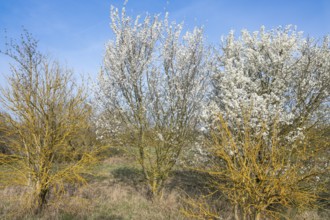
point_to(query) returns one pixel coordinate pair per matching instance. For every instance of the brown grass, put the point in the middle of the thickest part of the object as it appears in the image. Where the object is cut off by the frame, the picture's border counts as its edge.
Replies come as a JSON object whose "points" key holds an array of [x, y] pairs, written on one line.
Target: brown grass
{"points": [[116, 191]]}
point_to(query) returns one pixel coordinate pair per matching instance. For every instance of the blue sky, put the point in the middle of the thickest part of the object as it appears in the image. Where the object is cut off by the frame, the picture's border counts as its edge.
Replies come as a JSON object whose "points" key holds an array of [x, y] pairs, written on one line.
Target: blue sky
{"points": [[75, 31]]}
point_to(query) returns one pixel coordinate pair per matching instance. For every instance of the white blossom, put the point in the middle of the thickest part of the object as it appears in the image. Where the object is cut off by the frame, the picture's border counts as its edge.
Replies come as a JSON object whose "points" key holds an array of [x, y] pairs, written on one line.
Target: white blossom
{"points": [[154, 82], [277, 74]]}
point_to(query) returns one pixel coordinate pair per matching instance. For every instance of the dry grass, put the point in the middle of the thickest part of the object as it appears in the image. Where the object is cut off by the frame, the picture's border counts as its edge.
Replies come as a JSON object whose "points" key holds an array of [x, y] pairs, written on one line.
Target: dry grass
{"points": [[116, 191]]}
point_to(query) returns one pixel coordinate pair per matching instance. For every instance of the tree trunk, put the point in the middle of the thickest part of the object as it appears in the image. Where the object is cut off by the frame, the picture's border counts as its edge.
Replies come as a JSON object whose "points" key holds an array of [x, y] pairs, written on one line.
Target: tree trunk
{"points": [[236, 212], [257, 216], [40, 197]]}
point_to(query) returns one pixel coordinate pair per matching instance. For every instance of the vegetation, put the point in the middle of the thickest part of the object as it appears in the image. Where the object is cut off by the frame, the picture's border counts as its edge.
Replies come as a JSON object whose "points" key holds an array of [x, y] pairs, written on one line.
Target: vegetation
{"points": [[151, 91], [261, 175], [180, 130], [45, 112], [281, 73]]}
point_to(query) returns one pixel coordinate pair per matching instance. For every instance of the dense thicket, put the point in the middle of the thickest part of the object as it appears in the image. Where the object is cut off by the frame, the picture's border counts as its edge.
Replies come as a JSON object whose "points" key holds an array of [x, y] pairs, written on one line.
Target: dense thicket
{"points": [[254, 113]]}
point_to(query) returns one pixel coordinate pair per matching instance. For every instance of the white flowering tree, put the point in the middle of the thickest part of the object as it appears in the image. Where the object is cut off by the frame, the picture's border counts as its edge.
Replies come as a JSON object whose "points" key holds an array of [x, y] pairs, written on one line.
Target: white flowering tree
{"points": [[271, 90], [150, 91], [274, 74]]}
